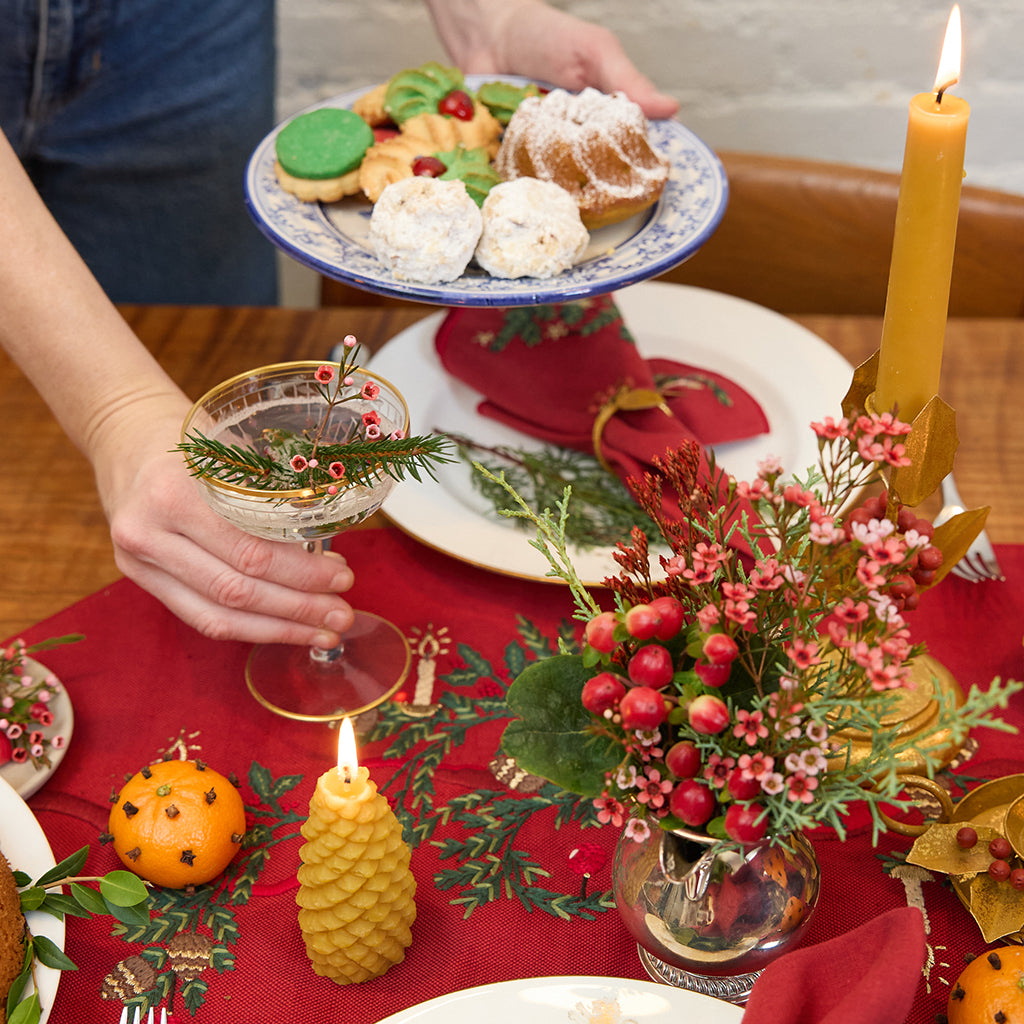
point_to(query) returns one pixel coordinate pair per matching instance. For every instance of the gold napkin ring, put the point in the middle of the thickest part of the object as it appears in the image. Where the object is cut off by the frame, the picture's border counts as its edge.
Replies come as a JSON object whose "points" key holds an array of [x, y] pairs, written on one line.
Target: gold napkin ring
{"points": [[624, 400]]}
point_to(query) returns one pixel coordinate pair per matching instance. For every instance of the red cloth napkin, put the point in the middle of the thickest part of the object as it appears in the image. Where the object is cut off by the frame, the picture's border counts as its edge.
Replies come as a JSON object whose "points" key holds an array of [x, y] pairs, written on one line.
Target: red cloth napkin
{"points": [[548, 370], [869, 975]]}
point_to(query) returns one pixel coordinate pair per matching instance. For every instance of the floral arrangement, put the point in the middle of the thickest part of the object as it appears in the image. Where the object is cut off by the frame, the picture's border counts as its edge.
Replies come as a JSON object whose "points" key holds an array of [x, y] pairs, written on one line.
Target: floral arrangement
{"points": [[26, 696], [722, 692], [325, 466]]}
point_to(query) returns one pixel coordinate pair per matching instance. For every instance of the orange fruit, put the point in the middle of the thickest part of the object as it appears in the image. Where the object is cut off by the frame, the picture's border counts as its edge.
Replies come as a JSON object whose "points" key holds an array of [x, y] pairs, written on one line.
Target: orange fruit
{"points": [[177, 823], [991, 988]]}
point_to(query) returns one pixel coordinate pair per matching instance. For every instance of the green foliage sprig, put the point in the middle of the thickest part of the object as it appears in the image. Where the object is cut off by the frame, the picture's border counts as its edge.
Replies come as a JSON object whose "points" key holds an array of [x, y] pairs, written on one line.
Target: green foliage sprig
{"points": [[118, 894]]}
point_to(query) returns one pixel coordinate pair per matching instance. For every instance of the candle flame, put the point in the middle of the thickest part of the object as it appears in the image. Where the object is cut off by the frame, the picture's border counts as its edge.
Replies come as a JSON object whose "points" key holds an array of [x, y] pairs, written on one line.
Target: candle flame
{"points": [[949, 62], [348, 761]]}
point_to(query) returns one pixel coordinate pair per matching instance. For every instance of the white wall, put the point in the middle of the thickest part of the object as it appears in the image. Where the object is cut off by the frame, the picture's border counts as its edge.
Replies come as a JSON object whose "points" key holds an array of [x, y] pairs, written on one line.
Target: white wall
{"points": [[828, 79]]}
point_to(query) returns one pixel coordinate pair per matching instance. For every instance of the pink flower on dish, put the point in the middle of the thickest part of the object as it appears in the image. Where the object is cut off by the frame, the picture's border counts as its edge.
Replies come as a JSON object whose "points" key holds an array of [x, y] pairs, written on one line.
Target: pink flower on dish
{"points": [[325, 374], [298, 463], [350, 341], [370, 390], [396, 435], [336, 470], [371, 417], [372, 431]]}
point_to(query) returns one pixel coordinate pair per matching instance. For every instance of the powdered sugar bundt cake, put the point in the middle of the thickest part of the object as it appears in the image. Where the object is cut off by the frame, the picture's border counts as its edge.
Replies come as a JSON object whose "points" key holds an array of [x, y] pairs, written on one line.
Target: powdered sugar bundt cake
{"points": [[595, 145]]}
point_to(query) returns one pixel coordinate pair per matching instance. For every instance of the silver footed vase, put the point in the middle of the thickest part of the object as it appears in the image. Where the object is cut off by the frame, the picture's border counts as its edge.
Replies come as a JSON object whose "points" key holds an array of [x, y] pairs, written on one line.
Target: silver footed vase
{"points": [[709, 917]]}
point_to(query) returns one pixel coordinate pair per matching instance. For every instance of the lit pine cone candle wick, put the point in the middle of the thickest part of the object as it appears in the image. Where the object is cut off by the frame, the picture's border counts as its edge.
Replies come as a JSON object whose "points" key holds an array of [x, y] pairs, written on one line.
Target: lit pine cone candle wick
{"points": [[356, 892]]}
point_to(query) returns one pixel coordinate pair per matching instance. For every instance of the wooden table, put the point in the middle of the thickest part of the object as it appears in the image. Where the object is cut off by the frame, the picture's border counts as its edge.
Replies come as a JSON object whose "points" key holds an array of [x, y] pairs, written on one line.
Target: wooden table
{"points": [[54, 544]]}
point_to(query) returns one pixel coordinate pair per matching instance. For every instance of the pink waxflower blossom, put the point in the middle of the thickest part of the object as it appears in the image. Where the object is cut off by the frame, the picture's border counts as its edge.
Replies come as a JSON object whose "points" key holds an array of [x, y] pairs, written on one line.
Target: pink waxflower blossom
{"points": [[825, 532], [711, 553], [350, 341], [19, 755], [738, 591], [371, 432], [609, 810], [57, 742], [371, 417], [766, 575], [750, 726], [370, 390], [709, 616], [802, 653], [717, 770], [637, 829], [817, 732], [801, 787], [773, 784], [675, 565], [851, 611], [653, 788], [757, 765], [324, 374], [298, 463], [751, 490], [741, 613], [770, 465], [829, 430], [336, 470], [869, 573], [397, 435]]}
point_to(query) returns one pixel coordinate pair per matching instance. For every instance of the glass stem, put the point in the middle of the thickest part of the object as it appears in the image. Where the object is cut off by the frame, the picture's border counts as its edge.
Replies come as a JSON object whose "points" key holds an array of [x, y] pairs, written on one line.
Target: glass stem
{"points": [[321, 655]]}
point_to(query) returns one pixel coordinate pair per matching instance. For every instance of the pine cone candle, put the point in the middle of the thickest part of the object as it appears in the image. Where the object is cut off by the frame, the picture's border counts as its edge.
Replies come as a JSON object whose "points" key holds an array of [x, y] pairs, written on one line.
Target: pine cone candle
{"points": [[356, 892]]}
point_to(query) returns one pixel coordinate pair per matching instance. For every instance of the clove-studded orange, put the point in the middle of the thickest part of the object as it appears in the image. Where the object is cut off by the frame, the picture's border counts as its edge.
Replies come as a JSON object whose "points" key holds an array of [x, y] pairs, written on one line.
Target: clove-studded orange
{"points": [[990, 990], [177, 823]]}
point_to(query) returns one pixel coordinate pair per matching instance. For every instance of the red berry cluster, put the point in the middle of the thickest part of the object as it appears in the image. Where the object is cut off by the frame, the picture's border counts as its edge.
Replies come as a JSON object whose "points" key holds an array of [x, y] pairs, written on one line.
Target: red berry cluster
{"points": [[636, 699], [924, 564], [1002, 853]]}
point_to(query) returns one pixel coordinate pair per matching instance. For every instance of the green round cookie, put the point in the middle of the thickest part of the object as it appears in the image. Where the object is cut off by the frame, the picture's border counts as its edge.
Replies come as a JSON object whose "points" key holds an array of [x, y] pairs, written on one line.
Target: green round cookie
{"points": [[323, 143], [502, 98], [419, 90]]}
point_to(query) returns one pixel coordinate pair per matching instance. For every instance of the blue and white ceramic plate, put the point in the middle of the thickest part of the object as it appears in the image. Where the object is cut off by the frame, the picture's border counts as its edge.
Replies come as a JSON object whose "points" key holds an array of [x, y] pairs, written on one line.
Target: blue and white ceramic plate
{"points": [[332, 238]]}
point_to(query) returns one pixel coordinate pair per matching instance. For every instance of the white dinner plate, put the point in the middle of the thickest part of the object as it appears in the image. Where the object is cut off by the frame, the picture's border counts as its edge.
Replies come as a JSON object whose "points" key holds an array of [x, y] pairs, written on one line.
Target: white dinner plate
{"points": [[24, 778], [333, 238], [571, 1000], [795, 375], [26, 849]]}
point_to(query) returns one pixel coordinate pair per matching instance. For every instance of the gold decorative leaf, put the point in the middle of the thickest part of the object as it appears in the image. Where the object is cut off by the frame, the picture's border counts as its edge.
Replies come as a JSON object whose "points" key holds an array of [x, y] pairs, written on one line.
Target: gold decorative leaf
{"points": [[997, 907], [638, 398], [956, 535], [931, 446], [861, 387], [938, 850]]}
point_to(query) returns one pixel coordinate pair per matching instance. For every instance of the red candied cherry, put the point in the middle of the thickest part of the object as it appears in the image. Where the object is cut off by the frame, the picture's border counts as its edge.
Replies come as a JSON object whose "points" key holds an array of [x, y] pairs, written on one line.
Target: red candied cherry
{"points": [[692, 803], [720, 649], [1000, 848], [683, 760], [651, 666], [999, 870], [642, 622], [712, 675], [642, 708], [599, 632], [707, 714], [672, 615], [742, 824], [602, 693], [382, 134], [456, 104], [966, 837], [428, 167], [1017, 878], [742, 787]]}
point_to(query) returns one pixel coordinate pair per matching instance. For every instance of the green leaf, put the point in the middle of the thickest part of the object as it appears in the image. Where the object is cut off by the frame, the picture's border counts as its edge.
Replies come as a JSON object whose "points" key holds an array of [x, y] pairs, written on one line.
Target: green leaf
{"points": [[26, 1012], [136, 916], [549, 738], [68, 867], [88, 898], [60, 904], [122, 889], [31, 899], [49, 954]]}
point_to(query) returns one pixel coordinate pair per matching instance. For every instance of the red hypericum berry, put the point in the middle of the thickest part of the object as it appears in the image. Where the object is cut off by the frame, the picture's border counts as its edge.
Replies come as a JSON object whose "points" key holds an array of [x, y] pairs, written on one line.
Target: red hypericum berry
{"points": [[642, 708], [741, 823], [707, 714], [720, 649], [651, 666], [456, 104], [1000, 848], [929, 558], [642, 622], [905, 519], [902, 586], [683, 760], [1017, 878], [599, 632], [875, 506], [858, 515], [712, 675], [966, 837], [924, 577], [999, 870], [428, 167], [911, 601], [741, 787], [671, 614], [602, 693], [692, 802]]}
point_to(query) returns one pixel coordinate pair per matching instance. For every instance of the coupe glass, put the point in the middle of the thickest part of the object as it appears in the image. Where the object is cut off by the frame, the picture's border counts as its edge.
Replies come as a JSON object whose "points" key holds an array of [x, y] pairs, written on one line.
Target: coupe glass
{"points": [[373, 659]]}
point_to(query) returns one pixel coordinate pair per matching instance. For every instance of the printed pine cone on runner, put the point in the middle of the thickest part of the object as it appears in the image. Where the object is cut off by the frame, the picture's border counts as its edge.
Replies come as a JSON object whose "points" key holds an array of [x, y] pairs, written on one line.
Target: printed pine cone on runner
{"points": [[356, 892]]}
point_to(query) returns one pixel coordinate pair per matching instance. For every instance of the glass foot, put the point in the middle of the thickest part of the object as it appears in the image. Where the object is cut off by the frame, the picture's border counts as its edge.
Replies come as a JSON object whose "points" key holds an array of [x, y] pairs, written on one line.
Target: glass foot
{"points": [[369, 668], [733, 988]]}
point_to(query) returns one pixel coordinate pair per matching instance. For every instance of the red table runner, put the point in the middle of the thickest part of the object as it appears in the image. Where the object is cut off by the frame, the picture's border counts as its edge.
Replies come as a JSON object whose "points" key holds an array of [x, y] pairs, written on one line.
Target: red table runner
{"points": [[500, 894]]}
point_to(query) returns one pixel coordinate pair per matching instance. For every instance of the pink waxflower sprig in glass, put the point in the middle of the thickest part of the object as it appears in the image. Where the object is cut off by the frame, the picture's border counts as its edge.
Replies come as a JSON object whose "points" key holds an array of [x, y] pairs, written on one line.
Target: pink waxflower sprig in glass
{"points": [[319, 462], [27, 696], [723, 689]]}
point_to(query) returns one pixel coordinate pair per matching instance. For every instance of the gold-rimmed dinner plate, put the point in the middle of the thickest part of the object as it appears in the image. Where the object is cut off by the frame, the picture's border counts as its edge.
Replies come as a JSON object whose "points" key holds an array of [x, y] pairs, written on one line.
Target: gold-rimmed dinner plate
{"points": [[571, 1000]]}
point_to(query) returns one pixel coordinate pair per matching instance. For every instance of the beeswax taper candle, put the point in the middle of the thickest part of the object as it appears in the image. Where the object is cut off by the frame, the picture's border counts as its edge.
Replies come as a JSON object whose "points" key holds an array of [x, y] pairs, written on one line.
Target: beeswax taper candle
{"points": [[356, 892], [917, 301]]}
